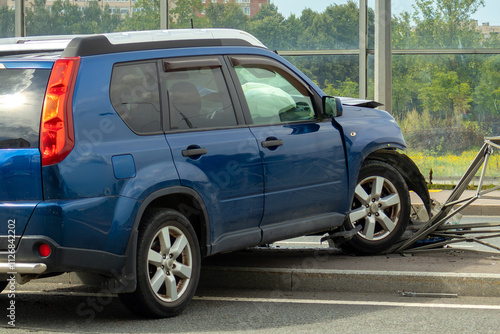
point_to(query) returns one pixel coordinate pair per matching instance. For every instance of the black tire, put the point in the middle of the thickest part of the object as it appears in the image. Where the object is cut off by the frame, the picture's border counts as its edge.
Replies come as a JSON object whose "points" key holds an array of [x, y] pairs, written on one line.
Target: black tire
{"points": [[381, 205], [168, 265]]}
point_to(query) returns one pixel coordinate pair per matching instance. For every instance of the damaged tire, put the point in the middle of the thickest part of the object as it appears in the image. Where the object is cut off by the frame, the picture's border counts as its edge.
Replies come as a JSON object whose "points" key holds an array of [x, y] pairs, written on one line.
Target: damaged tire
{"points": [[381, 206]]}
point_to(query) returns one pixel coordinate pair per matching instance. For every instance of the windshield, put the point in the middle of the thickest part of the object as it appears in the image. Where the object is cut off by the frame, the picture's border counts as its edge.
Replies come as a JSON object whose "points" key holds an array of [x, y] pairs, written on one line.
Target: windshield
{"points": [[21, 98]]}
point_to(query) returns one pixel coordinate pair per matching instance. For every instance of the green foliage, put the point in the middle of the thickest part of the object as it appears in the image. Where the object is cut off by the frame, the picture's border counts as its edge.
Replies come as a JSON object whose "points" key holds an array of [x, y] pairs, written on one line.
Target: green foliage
{"points": [[6, 22], [66, 18], [425, 133], [487, 92], [272, 29], [445, 96], [446, 23], [185, 11], [147, 16], [227, 15], [346, 88]]}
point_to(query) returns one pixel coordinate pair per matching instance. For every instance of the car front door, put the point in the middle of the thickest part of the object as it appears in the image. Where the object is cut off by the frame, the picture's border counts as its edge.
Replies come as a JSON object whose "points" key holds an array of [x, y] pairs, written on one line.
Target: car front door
{"points": [[302, 151]]}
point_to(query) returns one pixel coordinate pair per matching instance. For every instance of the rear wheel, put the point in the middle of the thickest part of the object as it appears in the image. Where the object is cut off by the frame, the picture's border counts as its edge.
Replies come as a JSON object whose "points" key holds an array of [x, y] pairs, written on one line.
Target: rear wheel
{"points": [[168, 265], [381, 206]]}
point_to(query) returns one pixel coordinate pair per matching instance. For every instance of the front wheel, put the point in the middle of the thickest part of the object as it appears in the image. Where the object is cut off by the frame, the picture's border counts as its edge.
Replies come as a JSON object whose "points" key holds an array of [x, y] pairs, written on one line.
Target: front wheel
{"points": [[168, 265], [381, 206]]}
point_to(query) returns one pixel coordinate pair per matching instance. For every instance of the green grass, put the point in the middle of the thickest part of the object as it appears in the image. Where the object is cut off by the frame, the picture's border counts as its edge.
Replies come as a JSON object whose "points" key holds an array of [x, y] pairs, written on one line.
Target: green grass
{"points": [[451, 165]]}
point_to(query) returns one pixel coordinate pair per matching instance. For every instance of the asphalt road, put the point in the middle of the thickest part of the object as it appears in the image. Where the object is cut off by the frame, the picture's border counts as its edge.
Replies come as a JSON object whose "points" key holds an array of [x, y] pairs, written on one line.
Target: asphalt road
{"points": [[56, 307], [229, 311]]}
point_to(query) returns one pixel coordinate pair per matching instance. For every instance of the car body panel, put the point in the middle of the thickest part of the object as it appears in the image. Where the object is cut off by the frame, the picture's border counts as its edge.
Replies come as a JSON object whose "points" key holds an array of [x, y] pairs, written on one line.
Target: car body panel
{"points": [[306, 175], [228, 178]]}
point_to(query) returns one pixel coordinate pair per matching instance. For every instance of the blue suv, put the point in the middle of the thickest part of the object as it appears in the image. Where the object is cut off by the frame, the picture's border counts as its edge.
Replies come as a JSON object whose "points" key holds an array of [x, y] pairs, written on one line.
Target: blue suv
{"points": [[134, 155]]}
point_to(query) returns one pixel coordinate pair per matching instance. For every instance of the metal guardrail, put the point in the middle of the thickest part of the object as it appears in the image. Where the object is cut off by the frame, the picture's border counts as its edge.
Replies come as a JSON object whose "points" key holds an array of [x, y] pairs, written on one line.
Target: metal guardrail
{"points": [[395, 52], [436, 226]]}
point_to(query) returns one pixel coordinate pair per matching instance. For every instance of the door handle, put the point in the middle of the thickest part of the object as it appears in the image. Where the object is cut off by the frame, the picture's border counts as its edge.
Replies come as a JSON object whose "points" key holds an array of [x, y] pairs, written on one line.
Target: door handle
{"points": [[272, 143], [194, 152]]}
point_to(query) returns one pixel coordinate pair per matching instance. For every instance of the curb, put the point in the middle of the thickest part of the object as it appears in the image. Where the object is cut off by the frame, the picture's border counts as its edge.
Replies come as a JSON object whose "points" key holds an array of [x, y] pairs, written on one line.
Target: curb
{"points": [[317, 280], [389, 282], [474, 210]]}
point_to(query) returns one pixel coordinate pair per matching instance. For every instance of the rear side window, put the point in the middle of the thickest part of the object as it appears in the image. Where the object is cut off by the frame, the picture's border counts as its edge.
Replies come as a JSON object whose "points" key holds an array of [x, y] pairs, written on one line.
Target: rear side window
{"points": [[198, 97], [134, 93], [21, 99]]}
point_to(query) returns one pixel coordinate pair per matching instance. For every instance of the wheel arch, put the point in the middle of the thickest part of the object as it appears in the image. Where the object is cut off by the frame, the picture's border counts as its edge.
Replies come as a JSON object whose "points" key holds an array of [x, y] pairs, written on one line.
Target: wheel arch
{"points": [[188, 203], [185, 200], [408, 170]]}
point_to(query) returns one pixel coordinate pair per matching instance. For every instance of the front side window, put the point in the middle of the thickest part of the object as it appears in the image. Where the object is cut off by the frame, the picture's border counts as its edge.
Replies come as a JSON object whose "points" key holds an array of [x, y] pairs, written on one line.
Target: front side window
{"points": [[134, 93], [273, 96], [198, 97]]}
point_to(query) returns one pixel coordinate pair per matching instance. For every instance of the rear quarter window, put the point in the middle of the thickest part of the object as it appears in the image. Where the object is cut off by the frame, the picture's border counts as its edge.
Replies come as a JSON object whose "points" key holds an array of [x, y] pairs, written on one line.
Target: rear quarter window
{"points": [[22, 93], [134, 93]]}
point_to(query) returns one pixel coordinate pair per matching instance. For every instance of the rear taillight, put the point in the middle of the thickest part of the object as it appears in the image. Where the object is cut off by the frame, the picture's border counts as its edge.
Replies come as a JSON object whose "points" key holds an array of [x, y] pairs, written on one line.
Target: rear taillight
{"points": [[56, 130]]}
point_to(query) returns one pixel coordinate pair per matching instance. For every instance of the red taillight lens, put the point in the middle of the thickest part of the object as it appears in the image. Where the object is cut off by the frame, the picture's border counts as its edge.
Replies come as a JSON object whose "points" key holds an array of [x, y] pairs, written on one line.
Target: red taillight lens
{"points": [[44, 250], [56, 129]]}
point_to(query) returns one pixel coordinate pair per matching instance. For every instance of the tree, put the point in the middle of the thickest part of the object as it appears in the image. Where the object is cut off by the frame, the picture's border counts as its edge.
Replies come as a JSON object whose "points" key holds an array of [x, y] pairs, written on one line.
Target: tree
{"points": [[487, 93], [446, 23], [66, 18], [38, 19], [185, 11], [335, 28], [6, 22], [96, 20], [271, 28], [147, 16], [446, 96], [228, 15]]}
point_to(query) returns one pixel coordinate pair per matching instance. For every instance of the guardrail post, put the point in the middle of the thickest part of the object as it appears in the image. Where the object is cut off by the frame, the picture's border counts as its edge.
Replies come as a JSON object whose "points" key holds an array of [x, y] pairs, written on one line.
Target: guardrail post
{"points": [[164, 14], [383, 57], [19, 28], [363, 49]]}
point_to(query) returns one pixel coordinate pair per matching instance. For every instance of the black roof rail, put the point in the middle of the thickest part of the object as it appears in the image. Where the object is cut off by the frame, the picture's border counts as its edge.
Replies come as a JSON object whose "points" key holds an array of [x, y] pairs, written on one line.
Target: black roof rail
{"points": [[87, 45]]}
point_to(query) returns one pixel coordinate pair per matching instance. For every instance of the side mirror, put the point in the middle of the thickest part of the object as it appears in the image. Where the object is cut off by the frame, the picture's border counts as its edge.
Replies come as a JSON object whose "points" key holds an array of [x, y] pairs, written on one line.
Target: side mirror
{"points": [[332, 107]]}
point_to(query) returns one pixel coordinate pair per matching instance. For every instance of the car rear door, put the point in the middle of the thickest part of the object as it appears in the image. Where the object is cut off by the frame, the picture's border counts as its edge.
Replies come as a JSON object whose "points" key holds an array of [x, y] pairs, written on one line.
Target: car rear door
{"points": [[303, 155], [22, 89], [214, 152]]}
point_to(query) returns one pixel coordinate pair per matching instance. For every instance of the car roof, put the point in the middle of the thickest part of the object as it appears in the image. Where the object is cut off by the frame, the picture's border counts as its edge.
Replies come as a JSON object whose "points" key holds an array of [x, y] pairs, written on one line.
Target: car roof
{"points": [[86, 45]]}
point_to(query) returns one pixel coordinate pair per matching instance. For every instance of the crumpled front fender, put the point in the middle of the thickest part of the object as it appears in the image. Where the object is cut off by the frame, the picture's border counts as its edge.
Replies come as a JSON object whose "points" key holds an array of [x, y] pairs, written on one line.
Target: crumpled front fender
{"points": [[409, 170]]}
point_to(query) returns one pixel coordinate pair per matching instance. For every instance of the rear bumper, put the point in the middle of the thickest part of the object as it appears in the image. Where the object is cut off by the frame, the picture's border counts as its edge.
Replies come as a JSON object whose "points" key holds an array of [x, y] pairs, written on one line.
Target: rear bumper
{"points": [[27, 259]]}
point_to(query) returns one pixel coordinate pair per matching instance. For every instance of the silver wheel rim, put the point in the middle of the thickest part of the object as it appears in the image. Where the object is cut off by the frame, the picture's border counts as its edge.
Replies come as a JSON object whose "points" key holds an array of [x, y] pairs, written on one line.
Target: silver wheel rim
{"points": [[170, 264], [376, 207]]}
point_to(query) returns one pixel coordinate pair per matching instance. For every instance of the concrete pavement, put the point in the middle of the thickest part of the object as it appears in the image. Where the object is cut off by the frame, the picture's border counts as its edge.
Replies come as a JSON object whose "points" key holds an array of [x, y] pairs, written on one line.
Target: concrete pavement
{"points": [[438, 272]]}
